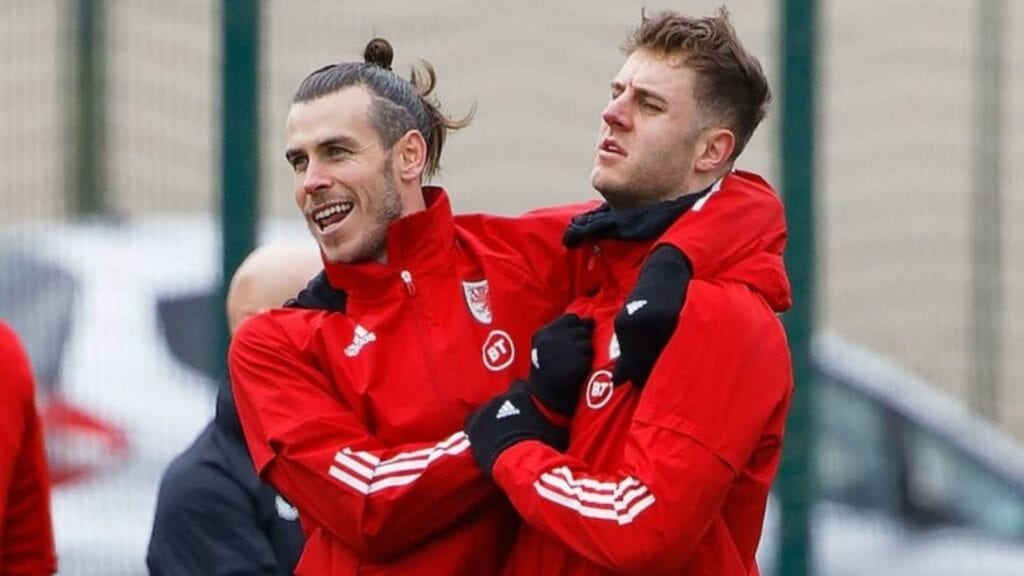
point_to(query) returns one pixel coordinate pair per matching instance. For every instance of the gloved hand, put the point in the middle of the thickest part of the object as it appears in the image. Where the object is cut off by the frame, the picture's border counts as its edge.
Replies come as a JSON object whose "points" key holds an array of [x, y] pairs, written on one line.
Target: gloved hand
{"points": [[560, 358], [508, 419], [649, 317]]}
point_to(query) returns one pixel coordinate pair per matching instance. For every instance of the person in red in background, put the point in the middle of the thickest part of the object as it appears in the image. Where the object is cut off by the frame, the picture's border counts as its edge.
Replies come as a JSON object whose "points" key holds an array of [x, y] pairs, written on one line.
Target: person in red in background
{"points": [[677, 437], [26, 529], [352, 398]]}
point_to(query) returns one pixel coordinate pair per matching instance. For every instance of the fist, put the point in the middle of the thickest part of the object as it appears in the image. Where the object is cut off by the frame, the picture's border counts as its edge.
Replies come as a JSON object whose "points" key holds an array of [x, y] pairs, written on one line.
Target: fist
{"points": [[648, 319], [560, 359]]}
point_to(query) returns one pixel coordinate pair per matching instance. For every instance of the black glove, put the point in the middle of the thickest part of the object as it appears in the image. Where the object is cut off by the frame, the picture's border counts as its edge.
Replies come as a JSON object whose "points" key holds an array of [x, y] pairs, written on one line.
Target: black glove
{"points": [[649, 317], [560, 358], [507, 419]]}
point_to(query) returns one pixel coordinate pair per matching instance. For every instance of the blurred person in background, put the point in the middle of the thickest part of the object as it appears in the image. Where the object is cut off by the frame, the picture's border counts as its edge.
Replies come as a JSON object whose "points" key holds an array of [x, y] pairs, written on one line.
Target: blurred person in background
{"points": [[353, 398], [213, 515], [677, 437], [26, 527]]}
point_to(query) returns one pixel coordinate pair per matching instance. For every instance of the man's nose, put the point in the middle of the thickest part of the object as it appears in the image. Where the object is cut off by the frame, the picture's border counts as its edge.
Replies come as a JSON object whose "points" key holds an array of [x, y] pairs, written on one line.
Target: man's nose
{"points": [[616, 113], [315, 177]]}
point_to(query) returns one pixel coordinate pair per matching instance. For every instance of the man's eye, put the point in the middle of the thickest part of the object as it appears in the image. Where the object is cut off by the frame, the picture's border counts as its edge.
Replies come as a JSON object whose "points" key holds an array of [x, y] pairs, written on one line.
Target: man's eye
{"points": [[337, 151], [298, 164]]}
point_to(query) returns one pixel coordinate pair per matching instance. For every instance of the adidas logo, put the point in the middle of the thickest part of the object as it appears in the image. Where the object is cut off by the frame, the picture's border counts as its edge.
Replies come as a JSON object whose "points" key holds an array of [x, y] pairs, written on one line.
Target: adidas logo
{"points": [[507, 409], [635, 305], [360, 338]]}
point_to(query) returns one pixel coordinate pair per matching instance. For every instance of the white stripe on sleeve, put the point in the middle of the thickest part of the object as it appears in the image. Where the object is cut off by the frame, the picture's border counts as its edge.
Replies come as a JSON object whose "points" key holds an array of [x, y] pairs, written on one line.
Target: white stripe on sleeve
{"points": [[367, 474], [618, 501]]}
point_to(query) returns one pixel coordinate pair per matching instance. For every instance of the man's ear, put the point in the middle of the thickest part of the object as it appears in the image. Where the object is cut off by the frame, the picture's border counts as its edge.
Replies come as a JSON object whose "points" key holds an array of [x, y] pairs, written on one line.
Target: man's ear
{"points": [[714, 150], [409, 156]]}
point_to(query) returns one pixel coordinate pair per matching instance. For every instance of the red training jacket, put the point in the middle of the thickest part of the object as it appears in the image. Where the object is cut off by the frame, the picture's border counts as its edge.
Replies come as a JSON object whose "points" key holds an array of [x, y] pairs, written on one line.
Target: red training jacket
{"points": [[26, 531], [674, 478], [355, 415]]}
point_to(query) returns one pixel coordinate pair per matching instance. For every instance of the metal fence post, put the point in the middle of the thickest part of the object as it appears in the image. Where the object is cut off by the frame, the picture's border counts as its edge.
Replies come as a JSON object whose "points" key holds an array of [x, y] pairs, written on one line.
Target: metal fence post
{"points": [[85, 179], [987, 276], [796, 481], [240, 144]]}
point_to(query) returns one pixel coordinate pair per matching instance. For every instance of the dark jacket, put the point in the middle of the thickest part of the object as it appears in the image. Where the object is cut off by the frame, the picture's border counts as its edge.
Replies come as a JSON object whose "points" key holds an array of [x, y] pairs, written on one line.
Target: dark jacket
{"points": [[214, 516]]}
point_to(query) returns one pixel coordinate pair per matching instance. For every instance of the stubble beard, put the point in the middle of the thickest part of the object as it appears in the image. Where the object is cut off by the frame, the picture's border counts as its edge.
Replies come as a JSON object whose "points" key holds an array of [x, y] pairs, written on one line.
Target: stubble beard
{"points": [[384, 208], [633, 193], [644, 185]]}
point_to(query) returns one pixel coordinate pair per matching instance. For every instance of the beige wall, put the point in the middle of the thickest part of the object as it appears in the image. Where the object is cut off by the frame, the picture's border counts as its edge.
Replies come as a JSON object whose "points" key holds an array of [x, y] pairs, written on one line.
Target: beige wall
{"points": [[897, 81]]}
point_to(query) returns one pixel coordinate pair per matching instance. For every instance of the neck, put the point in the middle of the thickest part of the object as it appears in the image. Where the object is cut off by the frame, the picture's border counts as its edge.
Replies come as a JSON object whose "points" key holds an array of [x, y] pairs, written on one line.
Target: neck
{"points": [[412, 198], [701, 182]]}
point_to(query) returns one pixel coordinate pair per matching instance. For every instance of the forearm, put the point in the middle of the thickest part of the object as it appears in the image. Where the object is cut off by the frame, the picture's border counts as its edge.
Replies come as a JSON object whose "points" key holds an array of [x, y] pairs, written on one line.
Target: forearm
{"points": [[646, 517], [382, 503]]}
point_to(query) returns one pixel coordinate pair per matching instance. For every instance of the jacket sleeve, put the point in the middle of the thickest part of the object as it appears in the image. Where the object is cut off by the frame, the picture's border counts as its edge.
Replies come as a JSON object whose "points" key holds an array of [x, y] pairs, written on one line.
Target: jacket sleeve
{"points": [[28, 545], [378, 500], [698, 421]]}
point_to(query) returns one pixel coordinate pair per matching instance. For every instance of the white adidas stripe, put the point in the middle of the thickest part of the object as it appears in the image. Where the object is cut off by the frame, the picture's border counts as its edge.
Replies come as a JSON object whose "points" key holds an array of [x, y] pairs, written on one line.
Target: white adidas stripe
{"points": [[349, 480], [615, 488], [367, 474], [352, 465], [611, 499], [622, 501]]}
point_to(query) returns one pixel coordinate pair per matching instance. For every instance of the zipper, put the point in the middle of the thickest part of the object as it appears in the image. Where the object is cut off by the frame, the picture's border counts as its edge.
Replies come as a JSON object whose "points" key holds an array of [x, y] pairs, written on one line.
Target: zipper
{"points": [[407, 279], [426, 346]]}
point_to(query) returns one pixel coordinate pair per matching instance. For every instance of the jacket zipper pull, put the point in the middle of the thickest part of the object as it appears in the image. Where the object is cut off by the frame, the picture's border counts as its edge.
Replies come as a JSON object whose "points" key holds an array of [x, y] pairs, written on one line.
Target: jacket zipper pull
{"points": [[409, 286]]}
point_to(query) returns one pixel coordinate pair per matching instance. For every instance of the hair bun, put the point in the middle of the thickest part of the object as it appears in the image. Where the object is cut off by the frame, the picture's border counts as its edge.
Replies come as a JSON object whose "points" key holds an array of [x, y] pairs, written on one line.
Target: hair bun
{"points": [[379, 52]]}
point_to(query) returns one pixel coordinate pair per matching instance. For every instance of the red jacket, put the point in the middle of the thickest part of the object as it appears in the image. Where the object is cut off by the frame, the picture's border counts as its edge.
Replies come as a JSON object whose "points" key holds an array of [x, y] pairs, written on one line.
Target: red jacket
{"points": [[355, 414], [26, 532], [672, 479]]}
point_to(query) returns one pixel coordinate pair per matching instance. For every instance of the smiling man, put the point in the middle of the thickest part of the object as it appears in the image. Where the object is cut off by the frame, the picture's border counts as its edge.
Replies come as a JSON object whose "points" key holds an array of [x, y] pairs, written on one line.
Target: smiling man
{"points": [[352, 399]]}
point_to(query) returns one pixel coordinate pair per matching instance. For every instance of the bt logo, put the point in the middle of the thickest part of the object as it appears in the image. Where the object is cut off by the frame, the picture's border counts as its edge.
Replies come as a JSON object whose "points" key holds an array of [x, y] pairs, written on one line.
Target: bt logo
{"points": [[498, 350]]}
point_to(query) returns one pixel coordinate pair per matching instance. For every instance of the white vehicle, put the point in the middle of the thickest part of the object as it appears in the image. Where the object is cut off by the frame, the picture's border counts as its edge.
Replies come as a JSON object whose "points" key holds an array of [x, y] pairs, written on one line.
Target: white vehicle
{"points": [[911, 484], [117, 404]]}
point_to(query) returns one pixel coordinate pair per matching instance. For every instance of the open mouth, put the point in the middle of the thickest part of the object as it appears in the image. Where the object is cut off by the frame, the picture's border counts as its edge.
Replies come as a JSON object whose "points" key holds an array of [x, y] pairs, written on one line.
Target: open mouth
{"points": [[331, 214], [610, 146]]}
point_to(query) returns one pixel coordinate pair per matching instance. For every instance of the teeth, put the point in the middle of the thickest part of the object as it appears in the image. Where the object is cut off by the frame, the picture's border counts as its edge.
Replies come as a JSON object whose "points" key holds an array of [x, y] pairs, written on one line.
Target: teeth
{"points": [[336, 209]]}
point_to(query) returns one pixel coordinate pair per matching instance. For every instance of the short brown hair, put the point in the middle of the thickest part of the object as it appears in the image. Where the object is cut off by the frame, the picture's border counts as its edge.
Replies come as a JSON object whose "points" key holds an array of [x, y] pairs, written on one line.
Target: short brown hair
{"points": [[730, 86]]}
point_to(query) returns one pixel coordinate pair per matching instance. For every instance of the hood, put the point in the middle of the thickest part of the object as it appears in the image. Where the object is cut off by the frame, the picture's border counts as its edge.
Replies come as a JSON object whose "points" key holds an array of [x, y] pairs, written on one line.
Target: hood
{"points": [[738, 233]]}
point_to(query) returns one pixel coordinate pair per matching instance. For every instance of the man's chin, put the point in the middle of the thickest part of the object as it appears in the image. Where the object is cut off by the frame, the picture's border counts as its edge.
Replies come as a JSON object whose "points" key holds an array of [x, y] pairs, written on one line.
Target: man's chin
{"points": [[616, 197]]}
